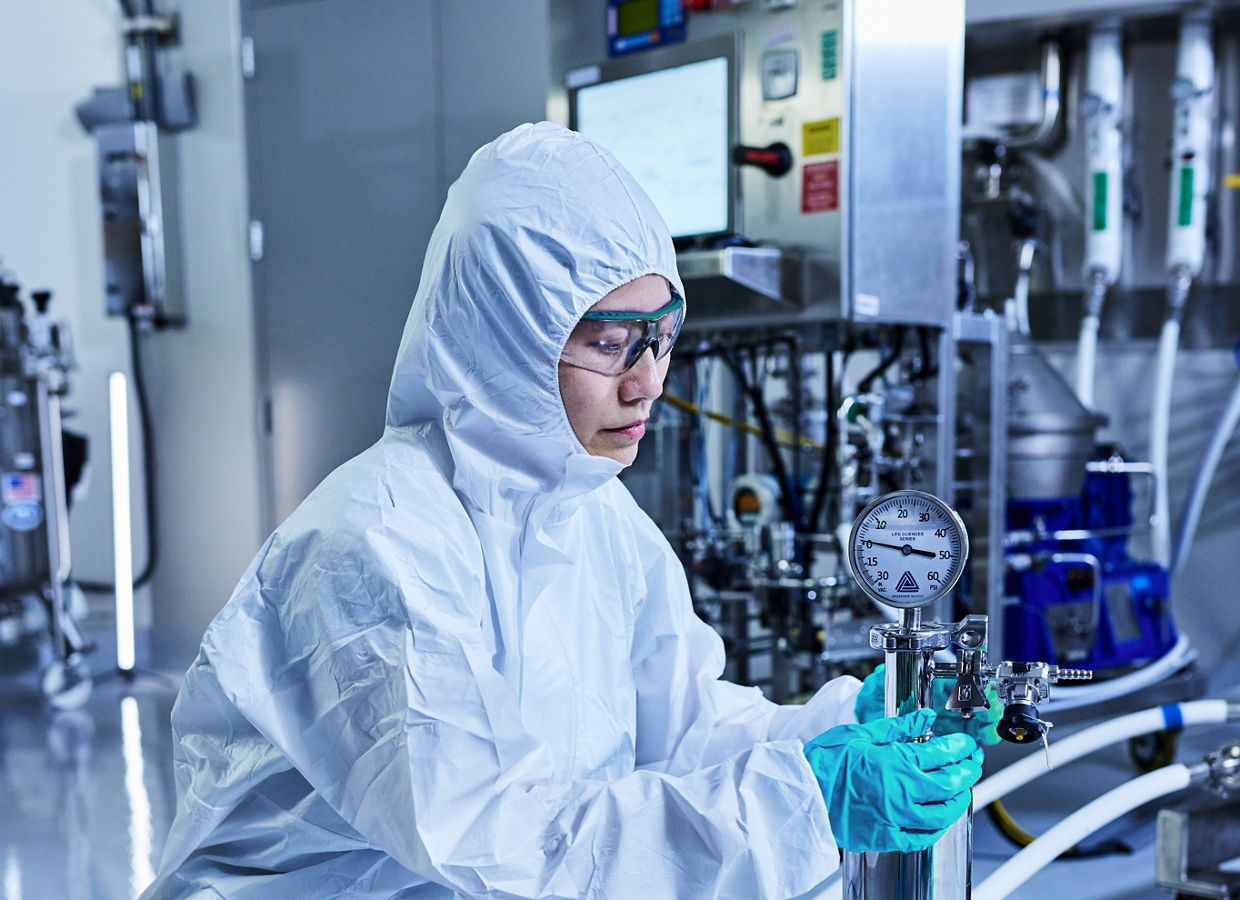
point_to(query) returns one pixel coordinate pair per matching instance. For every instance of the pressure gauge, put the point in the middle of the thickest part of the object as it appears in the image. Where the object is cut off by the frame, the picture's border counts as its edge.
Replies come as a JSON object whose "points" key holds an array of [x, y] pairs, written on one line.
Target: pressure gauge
{"points": [[907, 549]]}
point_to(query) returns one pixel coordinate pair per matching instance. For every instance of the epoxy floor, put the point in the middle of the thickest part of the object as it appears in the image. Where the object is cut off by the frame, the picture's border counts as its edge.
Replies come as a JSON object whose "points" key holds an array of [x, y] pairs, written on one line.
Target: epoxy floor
{"points": [[87, 796]]}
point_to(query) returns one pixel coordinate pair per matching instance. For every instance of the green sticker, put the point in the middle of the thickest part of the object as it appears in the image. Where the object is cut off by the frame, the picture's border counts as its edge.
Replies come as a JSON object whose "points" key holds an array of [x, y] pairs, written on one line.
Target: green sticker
{"points": [[830, 55], [1186, 196], [1100, 201]]}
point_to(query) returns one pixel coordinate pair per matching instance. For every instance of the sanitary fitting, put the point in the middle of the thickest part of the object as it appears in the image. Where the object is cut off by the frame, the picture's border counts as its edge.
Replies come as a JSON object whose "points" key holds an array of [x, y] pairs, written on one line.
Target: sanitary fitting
{"points": [[1224, 769]]}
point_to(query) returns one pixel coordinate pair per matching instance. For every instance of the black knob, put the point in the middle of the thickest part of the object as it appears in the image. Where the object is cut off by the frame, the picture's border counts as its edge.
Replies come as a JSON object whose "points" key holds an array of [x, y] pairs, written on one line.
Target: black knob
{"points": [[41, 300], [775, 160], [1020, 724]]}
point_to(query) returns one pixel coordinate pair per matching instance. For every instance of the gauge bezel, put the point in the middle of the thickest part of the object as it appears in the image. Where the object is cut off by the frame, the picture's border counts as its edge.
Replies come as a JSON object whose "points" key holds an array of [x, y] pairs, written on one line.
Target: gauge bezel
{"points": [[891, 599]]}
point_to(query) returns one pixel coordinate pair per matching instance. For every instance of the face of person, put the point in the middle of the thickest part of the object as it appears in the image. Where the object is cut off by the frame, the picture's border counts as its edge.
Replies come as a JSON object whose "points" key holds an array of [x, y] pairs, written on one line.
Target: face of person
{"points": [[608, 412]]}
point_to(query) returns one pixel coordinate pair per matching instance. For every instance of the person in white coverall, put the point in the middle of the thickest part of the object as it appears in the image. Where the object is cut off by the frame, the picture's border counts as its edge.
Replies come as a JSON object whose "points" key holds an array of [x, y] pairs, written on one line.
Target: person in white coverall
{"points": [[468, 666]]}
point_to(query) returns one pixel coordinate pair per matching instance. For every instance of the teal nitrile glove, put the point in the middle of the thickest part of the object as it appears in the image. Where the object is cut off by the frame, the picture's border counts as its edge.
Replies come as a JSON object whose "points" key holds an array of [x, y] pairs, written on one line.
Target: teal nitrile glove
{"points": [[883, 791], [981, 726]]}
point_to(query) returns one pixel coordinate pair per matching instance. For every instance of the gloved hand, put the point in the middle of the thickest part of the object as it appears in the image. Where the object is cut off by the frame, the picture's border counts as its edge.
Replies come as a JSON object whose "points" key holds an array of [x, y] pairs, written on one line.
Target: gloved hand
{"points": [[982, 725], [884, 792]]}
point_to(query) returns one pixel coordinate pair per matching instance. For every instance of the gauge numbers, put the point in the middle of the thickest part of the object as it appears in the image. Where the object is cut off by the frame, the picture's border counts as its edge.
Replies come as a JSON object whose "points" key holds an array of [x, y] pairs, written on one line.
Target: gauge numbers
{"points": [[907, 549]]}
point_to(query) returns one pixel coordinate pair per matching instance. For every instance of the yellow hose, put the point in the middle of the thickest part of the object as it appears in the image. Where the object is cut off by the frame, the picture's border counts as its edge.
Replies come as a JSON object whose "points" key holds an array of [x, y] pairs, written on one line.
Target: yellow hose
{"points": [[783, 437]]}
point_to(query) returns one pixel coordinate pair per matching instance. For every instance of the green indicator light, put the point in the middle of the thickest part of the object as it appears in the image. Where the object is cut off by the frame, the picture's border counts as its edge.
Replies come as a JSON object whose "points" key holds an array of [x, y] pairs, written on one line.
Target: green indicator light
{"points": [[1186, 197], [1100, 201]]}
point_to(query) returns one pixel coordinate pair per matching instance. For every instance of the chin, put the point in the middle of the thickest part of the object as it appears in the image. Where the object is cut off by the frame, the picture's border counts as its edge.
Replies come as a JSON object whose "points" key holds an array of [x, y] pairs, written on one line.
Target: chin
{"points": [[622, 455]]}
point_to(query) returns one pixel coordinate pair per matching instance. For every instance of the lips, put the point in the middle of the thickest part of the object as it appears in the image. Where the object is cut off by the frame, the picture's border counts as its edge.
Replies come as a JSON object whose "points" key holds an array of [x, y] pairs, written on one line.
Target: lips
{"points": [[632, 432]]}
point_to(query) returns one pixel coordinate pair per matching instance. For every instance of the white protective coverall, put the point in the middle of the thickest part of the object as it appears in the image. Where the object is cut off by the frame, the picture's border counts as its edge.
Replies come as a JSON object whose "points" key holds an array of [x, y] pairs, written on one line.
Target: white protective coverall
{"points": [[467, 665]]}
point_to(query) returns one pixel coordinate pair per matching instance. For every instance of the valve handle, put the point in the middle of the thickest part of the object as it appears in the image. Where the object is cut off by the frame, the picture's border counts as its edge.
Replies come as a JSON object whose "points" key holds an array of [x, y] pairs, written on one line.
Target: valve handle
{"points": [[774, 159]]}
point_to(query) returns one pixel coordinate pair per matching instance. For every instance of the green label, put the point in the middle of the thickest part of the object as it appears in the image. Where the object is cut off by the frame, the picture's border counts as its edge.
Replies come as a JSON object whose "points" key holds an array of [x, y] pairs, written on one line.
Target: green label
{"points": [[830, 55], [1100, 201], [1186, 196]]}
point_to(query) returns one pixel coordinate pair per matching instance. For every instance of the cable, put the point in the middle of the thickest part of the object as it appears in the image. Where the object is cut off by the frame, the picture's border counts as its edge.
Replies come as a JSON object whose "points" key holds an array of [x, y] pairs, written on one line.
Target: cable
{"points": [[148, 459], [784, 437], [897, 345], [827, 469]]}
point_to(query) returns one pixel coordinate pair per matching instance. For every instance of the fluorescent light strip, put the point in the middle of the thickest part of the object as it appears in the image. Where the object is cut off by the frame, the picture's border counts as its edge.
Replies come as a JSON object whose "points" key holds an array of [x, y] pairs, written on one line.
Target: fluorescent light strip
{"points": [[122, 542]]}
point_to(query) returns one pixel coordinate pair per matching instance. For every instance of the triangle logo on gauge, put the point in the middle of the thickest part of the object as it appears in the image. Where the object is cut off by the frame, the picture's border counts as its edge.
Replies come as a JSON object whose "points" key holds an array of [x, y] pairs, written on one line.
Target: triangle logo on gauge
{"points": [[907, 584]]}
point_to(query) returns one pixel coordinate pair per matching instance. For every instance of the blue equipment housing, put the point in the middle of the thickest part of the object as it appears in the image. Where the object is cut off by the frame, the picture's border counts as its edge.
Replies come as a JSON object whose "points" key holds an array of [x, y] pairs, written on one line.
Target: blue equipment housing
{"points": [[1054, 610]]}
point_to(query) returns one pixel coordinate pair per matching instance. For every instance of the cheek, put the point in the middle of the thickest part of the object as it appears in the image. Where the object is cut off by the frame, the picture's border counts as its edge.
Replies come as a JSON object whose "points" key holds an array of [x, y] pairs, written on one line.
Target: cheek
{"points": [[581, 399]]}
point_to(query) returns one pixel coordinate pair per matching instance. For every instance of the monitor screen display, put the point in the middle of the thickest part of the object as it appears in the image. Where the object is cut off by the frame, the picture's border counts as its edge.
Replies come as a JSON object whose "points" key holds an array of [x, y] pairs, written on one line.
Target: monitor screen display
{"points": [[669, 128]]}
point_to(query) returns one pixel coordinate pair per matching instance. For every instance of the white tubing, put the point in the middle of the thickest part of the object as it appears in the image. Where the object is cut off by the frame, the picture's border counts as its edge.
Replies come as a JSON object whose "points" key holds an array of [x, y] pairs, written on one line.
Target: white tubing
{"points": [[1191, 513], [1086, 355], [1179, 655], [1086, 741], [1160, 417], [1076, 827]]}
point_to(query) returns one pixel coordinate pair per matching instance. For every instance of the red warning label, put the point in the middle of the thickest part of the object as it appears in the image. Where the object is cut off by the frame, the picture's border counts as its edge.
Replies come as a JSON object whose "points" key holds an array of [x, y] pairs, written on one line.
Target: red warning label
{"points": [[820, 186]]}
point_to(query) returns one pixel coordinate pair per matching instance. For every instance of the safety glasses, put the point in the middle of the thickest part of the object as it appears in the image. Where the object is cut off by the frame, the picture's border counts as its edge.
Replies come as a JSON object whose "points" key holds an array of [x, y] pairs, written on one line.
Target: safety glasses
{"points": [[610, 342]]}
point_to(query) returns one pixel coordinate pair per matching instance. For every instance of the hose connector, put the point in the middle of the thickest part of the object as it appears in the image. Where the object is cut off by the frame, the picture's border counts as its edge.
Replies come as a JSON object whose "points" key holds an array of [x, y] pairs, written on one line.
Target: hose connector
{"points": [[1224, 769], [1097, 293], [1177, 291]]}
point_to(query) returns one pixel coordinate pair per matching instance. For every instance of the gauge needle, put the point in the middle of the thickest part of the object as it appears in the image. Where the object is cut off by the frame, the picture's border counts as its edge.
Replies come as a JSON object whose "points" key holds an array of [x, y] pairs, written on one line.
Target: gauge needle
{"points": [[906, 549]]}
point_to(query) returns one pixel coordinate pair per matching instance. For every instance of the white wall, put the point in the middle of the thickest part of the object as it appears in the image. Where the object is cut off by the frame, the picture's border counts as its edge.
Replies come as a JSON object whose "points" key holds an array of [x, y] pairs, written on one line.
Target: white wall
{"points": [[201, 379]]}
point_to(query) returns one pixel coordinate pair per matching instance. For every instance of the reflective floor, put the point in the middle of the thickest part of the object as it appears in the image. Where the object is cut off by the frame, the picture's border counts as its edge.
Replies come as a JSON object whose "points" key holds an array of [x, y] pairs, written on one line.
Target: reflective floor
{"points": [[86, 796]]}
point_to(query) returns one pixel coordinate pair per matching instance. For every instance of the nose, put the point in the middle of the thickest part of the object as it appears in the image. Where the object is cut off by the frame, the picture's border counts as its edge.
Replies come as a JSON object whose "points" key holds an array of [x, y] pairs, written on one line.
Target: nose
{"points": [[644, 381]]}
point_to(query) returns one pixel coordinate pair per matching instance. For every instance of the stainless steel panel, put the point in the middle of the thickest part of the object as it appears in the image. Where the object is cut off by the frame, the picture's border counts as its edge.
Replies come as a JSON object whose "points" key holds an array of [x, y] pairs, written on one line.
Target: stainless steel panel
{"points": [[878, 99], [905, 160]]}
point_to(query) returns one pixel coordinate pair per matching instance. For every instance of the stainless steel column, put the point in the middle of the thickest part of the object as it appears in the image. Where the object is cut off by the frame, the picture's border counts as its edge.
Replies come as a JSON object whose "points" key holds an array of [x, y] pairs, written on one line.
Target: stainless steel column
{"points": [[942, 872]]}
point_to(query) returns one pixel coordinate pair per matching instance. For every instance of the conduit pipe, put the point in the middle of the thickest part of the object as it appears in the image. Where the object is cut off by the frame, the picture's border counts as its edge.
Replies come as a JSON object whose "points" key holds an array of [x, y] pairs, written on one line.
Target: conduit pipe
{"points": [[1104, 734], [1160, 418], [1084, 822], [1192, 92]]}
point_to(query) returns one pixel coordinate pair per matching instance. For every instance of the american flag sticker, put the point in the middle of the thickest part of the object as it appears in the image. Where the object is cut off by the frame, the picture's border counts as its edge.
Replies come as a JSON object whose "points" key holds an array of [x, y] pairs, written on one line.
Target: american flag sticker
{"points": [[21, 487]]}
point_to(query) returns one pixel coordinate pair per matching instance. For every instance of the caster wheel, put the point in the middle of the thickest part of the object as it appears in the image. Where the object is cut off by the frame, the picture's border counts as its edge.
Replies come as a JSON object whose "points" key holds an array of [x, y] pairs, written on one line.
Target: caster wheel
{"points": [[1154, 750], [67, 683]]}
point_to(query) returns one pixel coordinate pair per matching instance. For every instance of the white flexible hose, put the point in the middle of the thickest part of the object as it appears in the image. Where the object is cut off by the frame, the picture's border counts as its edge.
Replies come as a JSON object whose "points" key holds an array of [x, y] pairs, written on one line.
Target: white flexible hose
{"points": [[1086, 356], [1160, 418], [1180, 654], [1205, 474], [1086, 741], [1085, 821]]}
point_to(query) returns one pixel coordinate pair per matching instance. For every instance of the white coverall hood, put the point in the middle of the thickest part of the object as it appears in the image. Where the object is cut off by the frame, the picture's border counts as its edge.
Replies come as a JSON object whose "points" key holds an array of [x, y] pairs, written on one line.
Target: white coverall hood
{"points": [[541, 225], [468, 664]]}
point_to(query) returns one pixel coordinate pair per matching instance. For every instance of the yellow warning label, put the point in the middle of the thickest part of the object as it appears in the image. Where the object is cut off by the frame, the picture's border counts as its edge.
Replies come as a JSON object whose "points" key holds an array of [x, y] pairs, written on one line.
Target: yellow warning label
{"points": [[1231, 181], [820, 137]]}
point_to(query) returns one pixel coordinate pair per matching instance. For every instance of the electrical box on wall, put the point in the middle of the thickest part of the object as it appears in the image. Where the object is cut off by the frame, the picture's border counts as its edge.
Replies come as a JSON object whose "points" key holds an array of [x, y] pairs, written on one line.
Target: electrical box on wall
{"points": [[141, 233], [133, 127]]}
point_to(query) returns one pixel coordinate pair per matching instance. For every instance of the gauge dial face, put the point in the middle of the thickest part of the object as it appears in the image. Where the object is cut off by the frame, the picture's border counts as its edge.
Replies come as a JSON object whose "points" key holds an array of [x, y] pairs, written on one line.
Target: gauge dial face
{"points": [[907, 549]]}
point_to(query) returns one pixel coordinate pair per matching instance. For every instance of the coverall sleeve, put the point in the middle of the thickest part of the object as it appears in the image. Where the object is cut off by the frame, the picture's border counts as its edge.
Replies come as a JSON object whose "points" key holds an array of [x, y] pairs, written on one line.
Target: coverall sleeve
{"points": [[410, 734], [687, 715]]}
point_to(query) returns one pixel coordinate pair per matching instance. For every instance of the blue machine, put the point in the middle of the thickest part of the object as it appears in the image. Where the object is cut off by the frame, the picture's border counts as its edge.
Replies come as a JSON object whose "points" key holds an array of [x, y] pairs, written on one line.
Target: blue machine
{"points": [[1087, 601]]}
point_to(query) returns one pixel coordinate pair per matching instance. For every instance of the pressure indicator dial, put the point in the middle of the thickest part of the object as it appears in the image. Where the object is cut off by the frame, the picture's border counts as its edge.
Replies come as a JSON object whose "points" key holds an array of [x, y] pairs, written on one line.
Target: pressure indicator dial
{"points": [[907, 549]]}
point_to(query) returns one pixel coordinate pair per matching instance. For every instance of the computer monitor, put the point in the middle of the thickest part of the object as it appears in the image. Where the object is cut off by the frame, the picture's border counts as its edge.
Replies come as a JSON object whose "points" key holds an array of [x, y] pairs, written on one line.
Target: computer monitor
{"points": [[669, 117]]}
